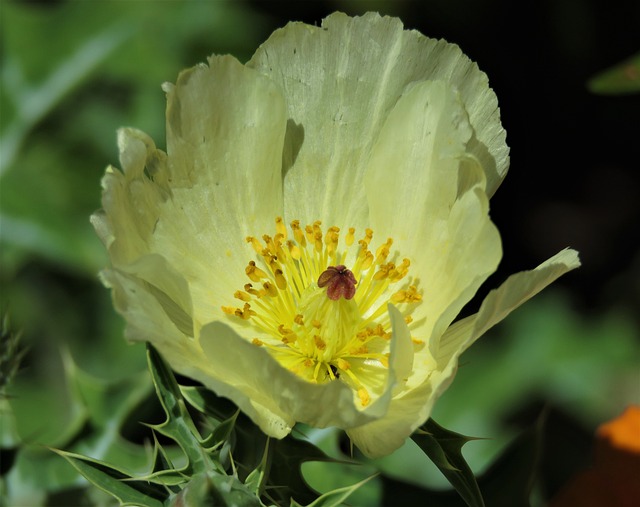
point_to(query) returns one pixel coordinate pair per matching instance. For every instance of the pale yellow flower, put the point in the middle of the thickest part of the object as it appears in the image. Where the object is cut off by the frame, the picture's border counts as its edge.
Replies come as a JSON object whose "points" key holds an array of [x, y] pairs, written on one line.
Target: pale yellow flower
{"points": [[317, 223]]}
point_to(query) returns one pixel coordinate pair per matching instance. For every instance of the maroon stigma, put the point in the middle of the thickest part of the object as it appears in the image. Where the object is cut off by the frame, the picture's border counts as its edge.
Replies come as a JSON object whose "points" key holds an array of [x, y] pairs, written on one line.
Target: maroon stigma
{"points": [[339, 281]]}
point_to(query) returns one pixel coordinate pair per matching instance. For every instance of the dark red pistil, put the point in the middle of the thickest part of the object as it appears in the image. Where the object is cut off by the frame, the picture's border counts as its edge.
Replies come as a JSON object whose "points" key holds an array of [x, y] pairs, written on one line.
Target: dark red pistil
{"points": [[339, 281]]}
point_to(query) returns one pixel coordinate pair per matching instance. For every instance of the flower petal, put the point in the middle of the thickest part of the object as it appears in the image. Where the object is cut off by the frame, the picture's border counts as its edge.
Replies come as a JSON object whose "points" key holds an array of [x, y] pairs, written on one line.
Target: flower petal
{"points": [[131, 199], [273, 397], [225, 131], [428, 193], [500, 302], [341, 80], [406, 412]]}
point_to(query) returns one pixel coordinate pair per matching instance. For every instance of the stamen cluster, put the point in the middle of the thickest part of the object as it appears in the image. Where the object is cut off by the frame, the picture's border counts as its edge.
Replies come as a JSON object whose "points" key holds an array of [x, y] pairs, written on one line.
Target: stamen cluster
{"points": [[317, 317]]}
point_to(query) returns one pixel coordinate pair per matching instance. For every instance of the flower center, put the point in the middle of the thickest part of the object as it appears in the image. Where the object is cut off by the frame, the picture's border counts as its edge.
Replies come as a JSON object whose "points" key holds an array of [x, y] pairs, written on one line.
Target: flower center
{"points": [[319, 318]]}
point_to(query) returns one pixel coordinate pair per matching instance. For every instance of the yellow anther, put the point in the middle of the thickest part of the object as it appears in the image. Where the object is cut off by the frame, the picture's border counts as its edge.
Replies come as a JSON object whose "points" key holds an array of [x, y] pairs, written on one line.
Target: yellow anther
{"points": [[299, 319], [255, 243], [378, 330], [363, 335], [363, 394], [410, 295], [331, 239], [270, 289], [368, 260], [278, 239], [273, 263], [400, 271], [383, 271], [408, 319], [241, 295], [317, 240], [294, 250], [320, 344], [308, 363], [280, 227], [368, 236], [254, 272], [283, 330], [359, 351], [298, 234], [229, 310], [316, 323], [308, 230], [281, 281], [416, 341], [383, 251], [343, 364], [289, 338], [246, 313], [249, 288], [271, 246], [257, 342], [349, 238]]}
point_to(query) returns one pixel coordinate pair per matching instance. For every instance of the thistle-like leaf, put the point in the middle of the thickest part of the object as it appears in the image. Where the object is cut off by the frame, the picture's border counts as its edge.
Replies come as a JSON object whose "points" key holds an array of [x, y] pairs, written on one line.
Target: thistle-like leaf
{"points": [[179, 425], [444, 448], [214, 489], [285, 479], [117, 482]]}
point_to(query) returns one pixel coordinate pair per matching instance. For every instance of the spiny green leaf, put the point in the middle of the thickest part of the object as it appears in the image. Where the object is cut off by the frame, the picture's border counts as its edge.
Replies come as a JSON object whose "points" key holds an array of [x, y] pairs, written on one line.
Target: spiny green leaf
{"points": [[444, 448], [205, 401], [336, 497], [179, 425], [285, 478], [114, 481], [221, 433], [256, 479], [160, 459], [168, 478], [214, 489]]}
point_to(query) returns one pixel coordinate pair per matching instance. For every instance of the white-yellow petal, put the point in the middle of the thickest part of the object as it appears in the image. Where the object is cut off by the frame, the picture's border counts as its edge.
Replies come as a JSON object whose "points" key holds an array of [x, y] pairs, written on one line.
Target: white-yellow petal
{"points": [[500, 302], [341, 80], [421, 169]]}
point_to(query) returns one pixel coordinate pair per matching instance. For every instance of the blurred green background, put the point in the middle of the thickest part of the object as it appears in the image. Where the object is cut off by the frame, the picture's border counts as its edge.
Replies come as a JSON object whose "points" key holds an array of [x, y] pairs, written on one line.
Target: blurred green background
{"points": [[72, 72]]}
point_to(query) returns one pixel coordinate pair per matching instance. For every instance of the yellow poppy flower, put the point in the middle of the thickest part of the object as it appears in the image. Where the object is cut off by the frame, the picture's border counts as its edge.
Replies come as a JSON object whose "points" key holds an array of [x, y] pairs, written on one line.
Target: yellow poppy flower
{"points": [[317, 222]]}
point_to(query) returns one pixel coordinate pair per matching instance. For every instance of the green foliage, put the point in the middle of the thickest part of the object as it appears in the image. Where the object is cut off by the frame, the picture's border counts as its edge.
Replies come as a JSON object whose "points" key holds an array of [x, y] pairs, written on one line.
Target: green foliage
{"points": [[11, 353], [220, 469], [508, 481], [444, 448]]}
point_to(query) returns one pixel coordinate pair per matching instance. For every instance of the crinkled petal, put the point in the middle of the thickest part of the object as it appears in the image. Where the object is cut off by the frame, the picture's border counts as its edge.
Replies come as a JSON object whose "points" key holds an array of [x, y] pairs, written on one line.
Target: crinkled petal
{"points": [[341, 80], [427, 192], [131, 198], [225, 131]]}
